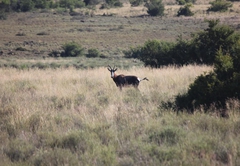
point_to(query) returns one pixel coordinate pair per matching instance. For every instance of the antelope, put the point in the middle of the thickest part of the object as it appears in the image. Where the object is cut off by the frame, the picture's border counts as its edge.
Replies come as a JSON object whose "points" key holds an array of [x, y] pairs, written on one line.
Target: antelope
{"points": [[122, 80]]}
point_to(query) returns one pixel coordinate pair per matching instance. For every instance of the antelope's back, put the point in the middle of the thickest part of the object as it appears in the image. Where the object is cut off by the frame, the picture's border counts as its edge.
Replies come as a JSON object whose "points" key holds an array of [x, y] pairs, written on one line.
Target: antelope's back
{"points": [[131, 80]]}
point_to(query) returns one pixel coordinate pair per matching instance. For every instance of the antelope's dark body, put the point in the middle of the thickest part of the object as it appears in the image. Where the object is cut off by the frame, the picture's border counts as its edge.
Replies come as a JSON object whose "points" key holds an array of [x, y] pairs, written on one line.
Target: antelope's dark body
{"points": [[122, 80]]}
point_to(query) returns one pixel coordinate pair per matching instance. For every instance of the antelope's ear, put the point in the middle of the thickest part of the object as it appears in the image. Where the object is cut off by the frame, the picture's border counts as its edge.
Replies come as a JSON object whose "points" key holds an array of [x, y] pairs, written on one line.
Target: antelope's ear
{"points": [[109, 68]]}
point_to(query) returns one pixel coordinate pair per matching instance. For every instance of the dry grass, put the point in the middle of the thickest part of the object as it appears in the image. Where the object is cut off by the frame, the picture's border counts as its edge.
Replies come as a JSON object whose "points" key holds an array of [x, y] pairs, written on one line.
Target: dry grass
{"points": [[79, 117]]}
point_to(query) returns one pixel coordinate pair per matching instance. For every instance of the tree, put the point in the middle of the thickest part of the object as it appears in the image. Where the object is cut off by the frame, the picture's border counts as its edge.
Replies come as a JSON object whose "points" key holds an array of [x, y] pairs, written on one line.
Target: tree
{"points": [[219, 6], [206, 43], [185, 11], [155, 7]]}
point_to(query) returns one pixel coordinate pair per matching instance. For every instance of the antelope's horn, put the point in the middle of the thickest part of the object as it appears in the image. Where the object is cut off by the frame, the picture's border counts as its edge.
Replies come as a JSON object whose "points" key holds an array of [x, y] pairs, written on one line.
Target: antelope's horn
{"points": [[109, 67]]}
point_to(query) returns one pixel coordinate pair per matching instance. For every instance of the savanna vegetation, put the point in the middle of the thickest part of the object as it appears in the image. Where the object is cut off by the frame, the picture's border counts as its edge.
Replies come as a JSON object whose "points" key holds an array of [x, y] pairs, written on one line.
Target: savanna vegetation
{"points": [[59, 106], [79, 117]]}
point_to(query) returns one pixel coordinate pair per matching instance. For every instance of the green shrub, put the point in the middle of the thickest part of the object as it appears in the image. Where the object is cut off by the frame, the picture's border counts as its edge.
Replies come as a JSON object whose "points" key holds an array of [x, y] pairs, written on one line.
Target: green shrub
{"points": [[184, 2], [114, 3], [134, 52], [21, 49], [217, 86], [182, 52], [42, 33], [219, 6], [91, 2], [135, 2], [26, 5], [155, 8], [155, 53], [93, 53], [54, 53], [72, 49], [206, 43], [71, 4], [185, 11], [3, 15], [201, 49], [42, 4]]}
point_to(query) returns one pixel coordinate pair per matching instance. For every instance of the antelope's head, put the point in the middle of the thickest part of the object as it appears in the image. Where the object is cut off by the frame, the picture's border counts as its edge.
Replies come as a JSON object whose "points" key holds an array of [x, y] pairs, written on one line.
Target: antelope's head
{"points": [[112, 70]]}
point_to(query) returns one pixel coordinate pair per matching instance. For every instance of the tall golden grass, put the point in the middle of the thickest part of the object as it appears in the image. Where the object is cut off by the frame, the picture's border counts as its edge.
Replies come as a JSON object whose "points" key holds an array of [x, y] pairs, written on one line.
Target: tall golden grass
{"points": [[79, 117]]}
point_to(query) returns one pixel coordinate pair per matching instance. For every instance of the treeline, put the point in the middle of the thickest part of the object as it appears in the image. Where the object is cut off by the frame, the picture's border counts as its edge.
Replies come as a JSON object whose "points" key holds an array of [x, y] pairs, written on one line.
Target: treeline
{"points": [[28, 5], [154, 7], [217, 45]]}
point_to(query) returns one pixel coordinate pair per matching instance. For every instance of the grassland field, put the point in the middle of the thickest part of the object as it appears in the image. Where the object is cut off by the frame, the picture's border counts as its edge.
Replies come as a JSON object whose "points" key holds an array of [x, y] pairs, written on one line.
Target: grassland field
{"points": [[72, 113], [79, 117]]}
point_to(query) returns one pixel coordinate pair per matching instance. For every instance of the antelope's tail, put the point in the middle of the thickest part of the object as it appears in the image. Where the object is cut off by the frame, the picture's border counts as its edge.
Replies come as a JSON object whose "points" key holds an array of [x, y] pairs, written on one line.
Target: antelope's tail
{"points": [[144, 79]]}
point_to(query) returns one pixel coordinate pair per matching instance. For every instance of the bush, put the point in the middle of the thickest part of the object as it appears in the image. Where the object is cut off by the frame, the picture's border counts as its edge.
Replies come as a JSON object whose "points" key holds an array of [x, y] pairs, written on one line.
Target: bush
{"points": [[114, 3], [71, 4], [92, 53], [21, 49], [206, 43], [54, 53], [181, 52], [155, 8], [3, 15], [185, 11], [222, 46], [42, 4], [26, 5], [217, 86], [184, 2], [135, 2], [201, 49], [155, 53], [219, 6], [134, 52], [72, 49], [91, 2], [42, 33]]}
